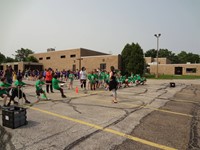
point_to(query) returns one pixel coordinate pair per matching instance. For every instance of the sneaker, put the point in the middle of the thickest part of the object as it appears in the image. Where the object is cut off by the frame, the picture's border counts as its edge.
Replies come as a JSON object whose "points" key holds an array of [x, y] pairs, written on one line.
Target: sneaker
{"points": [[27, 102], [63, 96]]}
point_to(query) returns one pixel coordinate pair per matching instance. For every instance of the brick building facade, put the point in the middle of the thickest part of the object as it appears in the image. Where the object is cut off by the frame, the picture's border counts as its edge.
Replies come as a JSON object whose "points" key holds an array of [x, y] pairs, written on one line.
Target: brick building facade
{"points": [[76, 58], [176, 69]]}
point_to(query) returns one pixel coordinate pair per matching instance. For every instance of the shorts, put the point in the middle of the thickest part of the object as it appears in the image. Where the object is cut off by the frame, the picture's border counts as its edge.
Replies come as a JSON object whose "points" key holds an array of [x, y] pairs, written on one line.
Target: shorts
{"points": [[38, 92]]}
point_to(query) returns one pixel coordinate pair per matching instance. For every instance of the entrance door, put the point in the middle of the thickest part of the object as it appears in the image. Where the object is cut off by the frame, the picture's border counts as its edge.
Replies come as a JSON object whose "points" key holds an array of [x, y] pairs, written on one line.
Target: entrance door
{"points": [[74, 68], [178, 70], [16, 68]]}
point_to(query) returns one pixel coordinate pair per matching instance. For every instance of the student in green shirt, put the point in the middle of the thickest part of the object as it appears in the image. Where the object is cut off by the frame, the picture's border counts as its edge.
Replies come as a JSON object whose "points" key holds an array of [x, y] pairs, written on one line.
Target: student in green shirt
{"points": [[17, 90], [106, 80], [101, 78], [39, 90], [71, 79], [3, 90], [92, 81], [55, 83], [96, 78]]}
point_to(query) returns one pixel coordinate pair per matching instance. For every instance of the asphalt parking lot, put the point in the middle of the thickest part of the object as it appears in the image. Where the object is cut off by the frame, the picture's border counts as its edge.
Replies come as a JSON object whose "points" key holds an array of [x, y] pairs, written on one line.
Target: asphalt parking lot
{"points": [[148, 117]]}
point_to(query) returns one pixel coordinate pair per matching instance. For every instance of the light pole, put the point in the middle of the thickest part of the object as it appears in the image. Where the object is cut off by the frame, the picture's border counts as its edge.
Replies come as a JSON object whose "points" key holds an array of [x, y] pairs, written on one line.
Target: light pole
{"points": [[157, 36]]}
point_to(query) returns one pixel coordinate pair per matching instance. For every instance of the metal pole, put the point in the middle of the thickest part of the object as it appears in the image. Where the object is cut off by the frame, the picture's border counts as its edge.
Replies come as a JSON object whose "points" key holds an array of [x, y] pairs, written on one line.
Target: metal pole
{"points": [[157, 36], [157, 59]]}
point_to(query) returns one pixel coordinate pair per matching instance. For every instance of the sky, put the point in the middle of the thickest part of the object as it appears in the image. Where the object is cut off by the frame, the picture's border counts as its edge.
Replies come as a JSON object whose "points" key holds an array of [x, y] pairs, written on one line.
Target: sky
{"points": [[101, 25]]}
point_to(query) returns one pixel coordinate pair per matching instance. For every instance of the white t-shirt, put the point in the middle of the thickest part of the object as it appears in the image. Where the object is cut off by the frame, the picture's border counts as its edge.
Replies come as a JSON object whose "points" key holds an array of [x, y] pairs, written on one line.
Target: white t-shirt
{"points": [[83, 75]]}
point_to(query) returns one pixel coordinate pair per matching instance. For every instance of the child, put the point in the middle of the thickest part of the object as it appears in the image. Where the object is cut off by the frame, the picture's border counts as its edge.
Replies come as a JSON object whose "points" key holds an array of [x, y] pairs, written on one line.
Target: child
{"points": [[92, 80], [3, 91], [107, 80], [17, 90], [71, 79], [39, 89], [113, 87], [55, 82]]}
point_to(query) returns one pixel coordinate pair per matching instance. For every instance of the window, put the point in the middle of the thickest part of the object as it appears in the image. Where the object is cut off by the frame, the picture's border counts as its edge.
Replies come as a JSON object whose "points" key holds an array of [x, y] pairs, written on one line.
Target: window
{"points": [[40, 58], [191, 70], [63, 56], [48, 57], [72, 55], [103, 66]]}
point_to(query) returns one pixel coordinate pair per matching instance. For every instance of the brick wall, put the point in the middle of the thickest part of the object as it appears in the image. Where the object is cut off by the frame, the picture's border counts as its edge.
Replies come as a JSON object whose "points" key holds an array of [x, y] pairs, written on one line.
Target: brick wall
{"points": [[91, 59], [169, 69]]}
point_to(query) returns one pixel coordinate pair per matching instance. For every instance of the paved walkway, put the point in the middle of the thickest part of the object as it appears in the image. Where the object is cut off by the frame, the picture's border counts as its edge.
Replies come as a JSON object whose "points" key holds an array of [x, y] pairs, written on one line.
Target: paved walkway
{"points": [[153, 116]]}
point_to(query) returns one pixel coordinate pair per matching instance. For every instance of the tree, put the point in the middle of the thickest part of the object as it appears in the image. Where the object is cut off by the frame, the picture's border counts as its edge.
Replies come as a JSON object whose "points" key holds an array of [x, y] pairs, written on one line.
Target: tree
{"points": [[2, 58], [185, 57], [132, 59], [9, 59], [32, 59], [151, 53], [162, 53], [22, 54]]}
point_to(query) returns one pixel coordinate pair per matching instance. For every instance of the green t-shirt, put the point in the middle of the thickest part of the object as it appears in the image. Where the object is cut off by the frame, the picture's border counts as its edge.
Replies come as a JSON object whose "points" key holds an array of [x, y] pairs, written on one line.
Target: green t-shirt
{"points": [[107, 77], [38, 84], [96, 76], [71, 76], [55, 84], [89, 76], [101, 76], [5, 85], [92, 78], [19, 83]]}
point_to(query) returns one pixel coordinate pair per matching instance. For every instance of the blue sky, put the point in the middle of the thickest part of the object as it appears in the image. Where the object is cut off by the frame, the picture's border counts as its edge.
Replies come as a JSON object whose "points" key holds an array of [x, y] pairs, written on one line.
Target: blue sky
{"points": [[102, 25]]}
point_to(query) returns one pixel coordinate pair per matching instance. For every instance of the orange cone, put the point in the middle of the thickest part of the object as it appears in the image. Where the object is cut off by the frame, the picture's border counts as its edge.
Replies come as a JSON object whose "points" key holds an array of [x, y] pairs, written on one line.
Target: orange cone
{"points": [[76, 90]]}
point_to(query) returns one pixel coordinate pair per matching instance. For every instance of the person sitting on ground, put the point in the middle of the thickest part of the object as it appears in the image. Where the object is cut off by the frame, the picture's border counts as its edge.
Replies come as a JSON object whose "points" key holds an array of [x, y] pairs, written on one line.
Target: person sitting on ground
{"points": [[39, 89], [4, 93], [17, 90], [55, 83]]}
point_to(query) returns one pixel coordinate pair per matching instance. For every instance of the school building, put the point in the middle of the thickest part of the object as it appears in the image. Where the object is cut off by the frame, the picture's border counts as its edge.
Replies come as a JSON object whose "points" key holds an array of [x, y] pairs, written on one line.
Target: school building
{"points": [[166, 68], [74, 59]]}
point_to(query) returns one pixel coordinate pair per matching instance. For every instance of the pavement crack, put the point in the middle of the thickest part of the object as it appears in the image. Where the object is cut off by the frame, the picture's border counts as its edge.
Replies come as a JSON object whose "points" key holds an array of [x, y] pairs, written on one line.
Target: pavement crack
{"points": [[194, 137], [82, 139], [5, 139], [46, 138]]}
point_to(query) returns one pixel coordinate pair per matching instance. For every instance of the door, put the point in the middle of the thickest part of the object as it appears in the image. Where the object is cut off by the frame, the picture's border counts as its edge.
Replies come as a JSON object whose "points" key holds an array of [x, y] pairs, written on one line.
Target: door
{"points": [[74, 68], [178, 70]]}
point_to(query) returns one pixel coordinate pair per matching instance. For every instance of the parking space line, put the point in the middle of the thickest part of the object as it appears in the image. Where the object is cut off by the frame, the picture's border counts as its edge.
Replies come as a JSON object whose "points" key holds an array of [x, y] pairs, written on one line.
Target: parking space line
{"points": [[152, 108], [158, 109], [136, 139]]}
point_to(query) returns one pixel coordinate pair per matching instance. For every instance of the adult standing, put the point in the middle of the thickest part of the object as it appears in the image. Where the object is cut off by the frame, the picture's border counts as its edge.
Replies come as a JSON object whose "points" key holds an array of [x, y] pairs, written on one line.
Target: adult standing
{"points": [[48, 79], [8, 74], [112, 71], [83, 77], [113, 83]]}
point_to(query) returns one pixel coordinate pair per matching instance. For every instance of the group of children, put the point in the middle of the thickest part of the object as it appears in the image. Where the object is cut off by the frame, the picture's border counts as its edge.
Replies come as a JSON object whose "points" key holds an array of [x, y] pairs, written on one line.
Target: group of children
{"points": [[11, 91], [95, 79], [102, 79]]}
